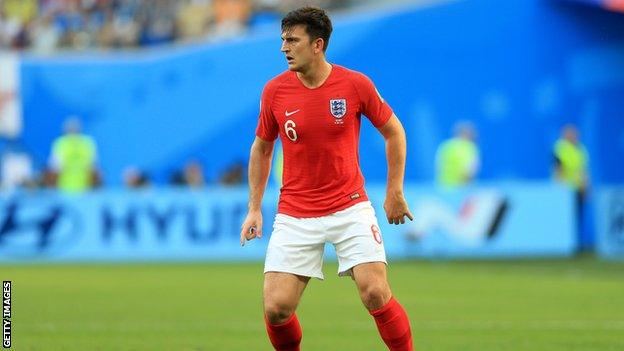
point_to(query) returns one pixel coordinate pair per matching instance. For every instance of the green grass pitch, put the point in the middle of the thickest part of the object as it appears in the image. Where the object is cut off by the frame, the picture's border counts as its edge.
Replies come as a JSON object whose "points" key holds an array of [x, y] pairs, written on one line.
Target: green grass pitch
{"points": [[549, 305]]}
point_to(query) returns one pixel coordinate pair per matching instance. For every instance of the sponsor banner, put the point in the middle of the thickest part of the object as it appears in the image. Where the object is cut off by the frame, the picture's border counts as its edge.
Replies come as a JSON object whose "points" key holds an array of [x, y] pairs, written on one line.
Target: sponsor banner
{"points": [[170, 225], [610, 223], [158, 225], [499, 221]]}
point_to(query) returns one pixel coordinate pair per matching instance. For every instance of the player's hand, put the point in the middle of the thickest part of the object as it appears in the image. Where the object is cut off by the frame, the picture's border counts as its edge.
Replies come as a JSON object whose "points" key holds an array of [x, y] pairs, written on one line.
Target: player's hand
{"points": [[252, 227], [396, 208]]}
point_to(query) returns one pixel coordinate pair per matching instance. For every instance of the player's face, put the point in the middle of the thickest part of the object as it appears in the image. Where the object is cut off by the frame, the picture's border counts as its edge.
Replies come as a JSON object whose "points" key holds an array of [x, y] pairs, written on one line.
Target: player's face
{"points": [[298, 48]]}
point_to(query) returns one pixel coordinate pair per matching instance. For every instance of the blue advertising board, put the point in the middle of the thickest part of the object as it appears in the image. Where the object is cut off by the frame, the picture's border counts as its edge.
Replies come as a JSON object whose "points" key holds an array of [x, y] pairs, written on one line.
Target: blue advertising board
{"points": [[173, 225], [487, 222], [128, 226], [610, 222]]}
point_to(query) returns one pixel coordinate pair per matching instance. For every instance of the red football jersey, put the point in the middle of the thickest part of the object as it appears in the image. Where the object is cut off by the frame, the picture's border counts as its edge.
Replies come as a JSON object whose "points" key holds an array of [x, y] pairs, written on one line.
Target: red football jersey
{"points": [[320, 129]]}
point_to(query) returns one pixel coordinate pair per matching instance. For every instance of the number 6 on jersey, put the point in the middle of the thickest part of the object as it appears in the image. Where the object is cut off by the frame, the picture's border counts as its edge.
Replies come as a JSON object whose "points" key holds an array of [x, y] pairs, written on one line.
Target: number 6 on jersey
{"points": [[289, 127]]}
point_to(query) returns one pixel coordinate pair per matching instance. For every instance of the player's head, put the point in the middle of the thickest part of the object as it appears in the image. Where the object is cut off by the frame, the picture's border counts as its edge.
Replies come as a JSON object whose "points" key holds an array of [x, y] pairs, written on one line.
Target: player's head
{"points": [[305, 36], [72, 125], [465, 130], [570, 133]]}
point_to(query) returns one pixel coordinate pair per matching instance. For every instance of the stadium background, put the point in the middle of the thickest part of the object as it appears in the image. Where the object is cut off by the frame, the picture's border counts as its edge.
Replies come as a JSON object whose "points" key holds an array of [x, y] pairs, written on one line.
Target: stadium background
{"points": [[518, 70]]}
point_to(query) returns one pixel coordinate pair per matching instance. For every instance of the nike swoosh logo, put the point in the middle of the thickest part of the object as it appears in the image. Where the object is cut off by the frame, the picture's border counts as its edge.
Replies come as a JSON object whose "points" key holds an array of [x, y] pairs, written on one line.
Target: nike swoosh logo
{"points": [[291, 113]]}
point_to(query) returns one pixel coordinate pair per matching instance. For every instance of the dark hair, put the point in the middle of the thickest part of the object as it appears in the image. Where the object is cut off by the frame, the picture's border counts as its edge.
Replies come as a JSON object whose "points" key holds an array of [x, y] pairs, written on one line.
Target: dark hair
{"points": [[315, 20]]}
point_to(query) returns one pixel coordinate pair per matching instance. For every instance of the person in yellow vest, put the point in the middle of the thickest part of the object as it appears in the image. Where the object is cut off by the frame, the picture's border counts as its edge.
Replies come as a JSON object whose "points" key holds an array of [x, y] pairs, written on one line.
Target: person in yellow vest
{"points": [[571, 160], [73, 159], [457, 159], [571, 167]]}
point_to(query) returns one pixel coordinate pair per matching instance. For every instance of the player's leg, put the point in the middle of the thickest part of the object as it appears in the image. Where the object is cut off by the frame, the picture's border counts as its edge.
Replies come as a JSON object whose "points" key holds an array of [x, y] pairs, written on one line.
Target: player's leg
{"points": [[282, 292], [281, 295], [373, 287], [361, 255], [294, 254], [390, 317]]}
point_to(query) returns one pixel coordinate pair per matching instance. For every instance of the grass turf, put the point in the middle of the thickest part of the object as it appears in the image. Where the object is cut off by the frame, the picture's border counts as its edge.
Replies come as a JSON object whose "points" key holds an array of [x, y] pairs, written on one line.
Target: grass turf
{"points": [[547, 305]]}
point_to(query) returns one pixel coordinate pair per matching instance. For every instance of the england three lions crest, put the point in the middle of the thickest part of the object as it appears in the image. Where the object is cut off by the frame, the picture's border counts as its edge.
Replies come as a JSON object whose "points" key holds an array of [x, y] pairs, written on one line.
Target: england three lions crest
{"points": [[338, 107]]}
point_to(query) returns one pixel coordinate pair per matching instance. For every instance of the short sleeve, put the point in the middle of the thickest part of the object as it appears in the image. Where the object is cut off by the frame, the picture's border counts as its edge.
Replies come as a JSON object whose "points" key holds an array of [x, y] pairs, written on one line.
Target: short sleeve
{"points": [[372, 104], [267, 128]]}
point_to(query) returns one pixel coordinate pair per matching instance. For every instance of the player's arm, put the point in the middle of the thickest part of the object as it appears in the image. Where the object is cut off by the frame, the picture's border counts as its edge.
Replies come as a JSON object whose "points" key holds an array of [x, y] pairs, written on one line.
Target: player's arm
{"points": [[395, 205], [586, 180], [558, 166], [54, 165], [259, 169]]}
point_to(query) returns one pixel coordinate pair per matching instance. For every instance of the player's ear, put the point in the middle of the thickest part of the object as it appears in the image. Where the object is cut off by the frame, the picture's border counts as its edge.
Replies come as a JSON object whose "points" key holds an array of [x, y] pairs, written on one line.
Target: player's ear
{"points": [[318, 45]]}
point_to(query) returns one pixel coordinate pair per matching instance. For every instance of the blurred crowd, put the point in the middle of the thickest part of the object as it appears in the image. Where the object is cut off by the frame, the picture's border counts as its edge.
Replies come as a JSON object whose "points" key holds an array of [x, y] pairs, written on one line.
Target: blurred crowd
{"points": [[72, 167], [46, 26], [73, 164]]}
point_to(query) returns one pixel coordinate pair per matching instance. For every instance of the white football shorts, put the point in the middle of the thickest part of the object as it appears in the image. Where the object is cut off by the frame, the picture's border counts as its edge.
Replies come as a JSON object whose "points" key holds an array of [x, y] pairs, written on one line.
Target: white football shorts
{"points": [[297, 244]]}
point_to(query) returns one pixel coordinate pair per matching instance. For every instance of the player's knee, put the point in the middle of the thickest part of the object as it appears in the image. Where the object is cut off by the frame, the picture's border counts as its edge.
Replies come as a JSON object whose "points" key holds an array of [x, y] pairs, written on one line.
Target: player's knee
{"points": [[375, 296], [277, 313]]}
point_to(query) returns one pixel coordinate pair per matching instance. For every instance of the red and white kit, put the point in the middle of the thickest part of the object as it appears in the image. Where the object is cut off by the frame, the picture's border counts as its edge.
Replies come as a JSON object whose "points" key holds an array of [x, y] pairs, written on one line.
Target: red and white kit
{"points": [[322, 180]]}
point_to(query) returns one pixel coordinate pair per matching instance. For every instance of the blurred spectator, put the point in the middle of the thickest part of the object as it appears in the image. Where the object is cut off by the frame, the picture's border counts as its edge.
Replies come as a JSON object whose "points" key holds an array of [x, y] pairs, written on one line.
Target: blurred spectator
{"points": [[19, 15], [194, 18], [71, 23], [230, 18], [47, 178], [234, 174], [73, 159], [122, 24], [23, 11], [571, 160], [16, 167], [158, 22], [9, 28], [192, 175], [571, 163], [134, 178], [457, 159], [45, 35]]}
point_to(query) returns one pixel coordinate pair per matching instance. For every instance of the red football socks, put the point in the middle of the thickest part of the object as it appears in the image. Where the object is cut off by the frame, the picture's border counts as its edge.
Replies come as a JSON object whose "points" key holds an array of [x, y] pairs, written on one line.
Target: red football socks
{"points": [[394, 326], [285, 336]]}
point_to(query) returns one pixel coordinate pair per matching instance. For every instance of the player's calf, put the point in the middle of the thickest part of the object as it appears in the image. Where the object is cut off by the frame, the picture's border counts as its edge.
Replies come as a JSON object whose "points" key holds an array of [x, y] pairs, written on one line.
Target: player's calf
{"points": [[282, 292], [285, 336], [390, 317], [394, 327]]}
